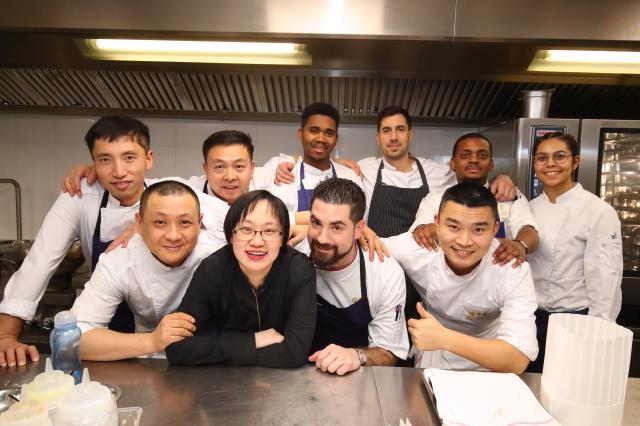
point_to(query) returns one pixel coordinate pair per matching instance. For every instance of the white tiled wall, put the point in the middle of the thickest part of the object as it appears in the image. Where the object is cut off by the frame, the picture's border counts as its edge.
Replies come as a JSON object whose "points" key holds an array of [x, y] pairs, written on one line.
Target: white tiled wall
{"points": [[37, 150]]}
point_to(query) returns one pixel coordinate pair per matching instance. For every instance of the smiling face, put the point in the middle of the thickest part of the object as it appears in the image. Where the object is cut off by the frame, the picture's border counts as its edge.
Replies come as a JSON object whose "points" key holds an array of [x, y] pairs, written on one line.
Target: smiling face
{"points": [[472, 161], [229, 171], [332, 234], [121, 166], [256, 253], [170, 227], [465, 235], [318, 137], [554, 165], [394, 137]]}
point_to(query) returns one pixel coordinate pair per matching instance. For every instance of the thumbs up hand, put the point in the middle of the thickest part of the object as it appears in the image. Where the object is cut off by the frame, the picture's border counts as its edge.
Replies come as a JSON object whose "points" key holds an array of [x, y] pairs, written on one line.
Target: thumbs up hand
{"points": [[427, 333]]}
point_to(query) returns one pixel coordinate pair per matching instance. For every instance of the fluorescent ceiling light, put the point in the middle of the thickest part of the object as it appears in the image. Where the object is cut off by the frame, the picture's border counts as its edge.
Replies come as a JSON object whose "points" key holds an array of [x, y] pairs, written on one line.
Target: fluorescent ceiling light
{"points": [[586, 61], [220, 52]]}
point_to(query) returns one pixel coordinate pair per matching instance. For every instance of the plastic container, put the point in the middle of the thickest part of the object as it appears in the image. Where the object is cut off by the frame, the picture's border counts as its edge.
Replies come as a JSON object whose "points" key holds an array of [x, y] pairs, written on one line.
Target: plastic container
{"points": [[65, 344], [586, 365], [88, 404], [28, 413], [48, 388]]}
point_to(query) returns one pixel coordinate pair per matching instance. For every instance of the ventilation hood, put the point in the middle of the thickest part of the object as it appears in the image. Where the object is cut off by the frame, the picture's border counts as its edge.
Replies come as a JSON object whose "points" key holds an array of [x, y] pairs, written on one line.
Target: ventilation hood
{"points": [[444, 60]]}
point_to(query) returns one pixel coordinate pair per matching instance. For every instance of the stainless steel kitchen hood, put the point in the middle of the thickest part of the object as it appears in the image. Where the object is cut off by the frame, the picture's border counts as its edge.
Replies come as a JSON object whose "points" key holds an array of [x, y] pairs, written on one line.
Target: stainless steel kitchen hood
{"points": [[445, 60]]}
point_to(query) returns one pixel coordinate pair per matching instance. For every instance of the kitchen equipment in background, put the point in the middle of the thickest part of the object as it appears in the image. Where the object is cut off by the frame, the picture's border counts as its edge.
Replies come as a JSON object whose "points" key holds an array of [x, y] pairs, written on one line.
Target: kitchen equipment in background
{"points": [[535, 103], [59, 295], [512, 144], [586, 364]]}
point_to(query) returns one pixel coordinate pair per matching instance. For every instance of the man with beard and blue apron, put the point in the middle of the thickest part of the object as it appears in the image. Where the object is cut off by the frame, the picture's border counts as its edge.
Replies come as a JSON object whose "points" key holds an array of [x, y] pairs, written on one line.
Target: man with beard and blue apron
{"points": [[119, 147], [471, 161], [360, 303]]}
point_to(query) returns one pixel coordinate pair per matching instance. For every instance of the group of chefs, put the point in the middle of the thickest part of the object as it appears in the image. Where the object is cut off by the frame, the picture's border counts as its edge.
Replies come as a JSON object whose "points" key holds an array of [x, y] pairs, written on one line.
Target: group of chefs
{"points": [[321, 260]]}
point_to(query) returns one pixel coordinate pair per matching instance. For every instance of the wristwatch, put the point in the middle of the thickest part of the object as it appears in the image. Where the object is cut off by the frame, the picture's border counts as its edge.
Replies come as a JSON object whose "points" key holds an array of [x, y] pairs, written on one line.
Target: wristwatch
{"points": [[362, 357], [526, 247]]}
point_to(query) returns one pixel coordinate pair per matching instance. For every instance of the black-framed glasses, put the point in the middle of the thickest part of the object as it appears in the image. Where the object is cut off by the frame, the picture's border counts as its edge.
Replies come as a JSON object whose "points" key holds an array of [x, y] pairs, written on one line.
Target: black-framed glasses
{"points": [[559, 157], [244, 233]]}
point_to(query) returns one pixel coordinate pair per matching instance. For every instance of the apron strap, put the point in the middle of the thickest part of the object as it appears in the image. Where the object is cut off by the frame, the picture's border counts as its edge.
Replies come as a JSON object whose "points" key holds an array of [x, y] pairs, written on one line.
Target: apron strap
{"points": [[363, 276], [103, 204]]}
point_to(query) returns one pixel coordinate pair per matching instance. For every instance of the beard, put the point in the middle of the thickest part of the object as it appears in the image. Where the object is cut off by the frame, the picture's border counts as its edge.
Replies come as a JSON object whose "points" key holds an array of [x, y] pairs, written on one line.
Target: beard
{"points": [[326, 259]]}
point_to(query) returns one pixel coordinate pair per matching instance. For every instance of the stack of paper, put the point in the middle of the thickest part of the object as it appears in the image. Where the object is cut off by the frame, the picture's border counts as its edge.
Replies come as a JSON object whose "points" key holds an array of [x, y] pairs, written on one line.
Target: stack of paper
{"points": [[482, 398]]}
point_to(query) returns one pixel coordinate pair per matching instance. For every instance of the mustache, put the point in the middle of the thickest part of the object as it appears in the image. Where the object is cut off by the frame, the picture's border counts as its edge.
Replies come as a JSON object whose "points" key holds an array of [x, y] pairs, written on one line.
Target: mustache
{"points": [[316, 244]]}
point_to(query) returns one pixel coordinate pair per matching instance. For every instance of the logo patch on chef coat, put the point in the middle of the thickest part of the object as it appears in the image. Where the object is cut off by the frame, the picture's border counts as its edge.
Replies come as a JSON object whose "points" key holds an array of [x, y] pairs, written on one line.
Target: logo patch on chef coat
{"points": [[476, 315]]}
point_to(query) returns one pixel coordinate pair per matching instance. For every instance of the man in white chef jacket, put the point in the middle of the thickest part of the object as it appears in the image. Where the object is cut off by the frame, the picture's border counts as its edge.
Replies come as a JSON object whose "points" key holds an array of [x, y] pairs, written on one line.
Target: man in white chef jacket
{"points": [[152, 274], [471, 161], [318, 135], [121, 155], [477, 315], [360, 302]]}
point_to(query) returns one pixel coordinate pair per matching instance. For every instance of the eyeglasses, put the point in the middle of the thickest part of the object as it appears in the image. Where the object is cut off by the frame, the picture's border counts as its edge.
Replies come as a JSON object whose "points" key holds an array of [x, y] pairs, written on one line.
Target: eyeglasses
{"points": [[559, 157], [247, 234]]}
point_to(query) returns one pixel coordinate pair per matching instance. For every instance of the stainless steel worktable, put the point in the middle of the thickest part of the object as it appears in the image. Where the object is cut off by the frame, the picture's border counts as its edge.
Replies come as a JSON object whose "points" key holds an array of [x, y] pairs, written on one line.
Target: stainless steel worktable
{"points": [[251, 395]]}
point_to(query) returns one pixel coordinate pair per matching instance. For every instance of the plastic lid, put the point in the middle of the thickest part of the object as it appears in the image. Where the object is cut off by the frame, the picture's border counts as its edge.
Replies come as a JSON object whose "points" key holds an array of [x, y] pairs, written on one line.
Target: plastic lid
{"points": [[29, 413], [63, 318], [89, 403], [49, 387]]}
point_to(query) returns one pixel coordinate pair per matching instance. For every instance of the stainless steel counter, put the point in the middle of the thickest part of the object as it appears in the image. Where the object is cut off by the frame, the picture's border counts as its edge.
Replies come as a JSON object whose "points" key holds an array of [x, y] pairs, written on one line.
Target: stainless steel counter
{"points": [[260, 396]]}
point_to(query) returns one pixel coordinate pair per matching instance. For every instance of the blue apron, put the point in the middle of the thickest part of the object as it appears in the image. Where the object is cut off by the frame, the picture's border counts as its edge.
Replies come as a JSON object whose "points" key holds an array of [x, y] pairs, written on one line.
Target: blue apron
{"points": [[501, 231], [347, 327], [122, 321], [305, 195]]}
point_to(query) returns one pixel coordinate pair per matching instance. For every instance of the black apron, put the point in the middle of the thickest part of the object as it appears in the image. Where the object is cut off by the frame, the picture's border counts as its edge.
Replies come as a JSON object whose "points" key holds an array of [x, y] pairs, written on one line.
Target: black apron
{"points": [[392, 212], [122, 321], [393, 209], [347, 327], [305, 195]]}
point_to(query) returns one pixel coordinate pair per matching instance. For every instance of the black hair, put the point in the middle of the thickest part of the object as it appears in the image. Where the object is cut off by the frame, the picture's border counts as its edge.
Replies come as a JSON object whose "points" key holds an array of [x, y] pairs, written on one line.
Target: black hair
{"points": [[338, 191], [320, 108], [471, 135], [227, 138], [113, 127], [569, 141], [247, 203], [470, 194], [391, 111], [165, 188]]}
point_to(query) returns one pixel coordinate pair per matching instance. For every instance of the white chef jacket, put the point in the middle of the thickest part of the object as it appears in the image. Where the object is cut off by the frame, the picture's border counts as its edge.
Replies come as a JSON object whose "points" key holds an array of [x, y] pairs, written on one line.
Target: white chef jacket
{"points": [[132, 274], [312, 177], [68, 219], [579, 263], [386, 292], [515, 214], [491, 302], [439, 176]]}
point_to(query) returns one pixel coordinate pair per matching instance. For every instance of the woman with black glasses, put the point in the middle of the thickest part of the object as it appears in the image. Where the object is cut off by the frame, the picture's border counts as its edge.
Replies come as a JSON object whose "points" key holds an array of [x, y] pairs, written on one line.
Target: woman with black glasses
{"points": [[578, 265], [254, 300]]}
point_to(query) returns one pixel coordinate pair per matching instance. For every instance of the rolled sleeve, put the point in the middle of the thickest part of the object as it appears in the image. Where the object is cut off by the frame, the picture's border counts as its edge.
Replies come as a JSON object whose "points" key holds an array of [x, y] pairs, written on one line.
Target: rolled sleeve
{"points": [[427, 210], [520, 215], [26, 287], [603, 266], [517, 324]]}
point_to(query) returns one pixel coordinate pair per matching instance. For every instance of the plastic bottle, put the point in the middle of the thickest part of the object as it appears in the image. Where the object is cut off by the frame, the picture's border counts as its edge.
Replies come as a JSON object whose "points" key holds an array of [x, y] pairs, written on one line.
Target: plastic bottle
{"points": [[65, 344], [88, 404], [27, 413], [48, 388]]}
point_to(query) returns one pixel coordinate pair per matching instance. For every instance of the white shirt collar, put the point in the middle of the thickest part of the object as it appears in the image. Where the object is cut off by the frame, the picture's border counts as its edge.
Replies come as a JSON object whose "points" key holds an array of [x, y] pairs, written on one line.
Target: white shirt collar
{"points": [[390, 167]]}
